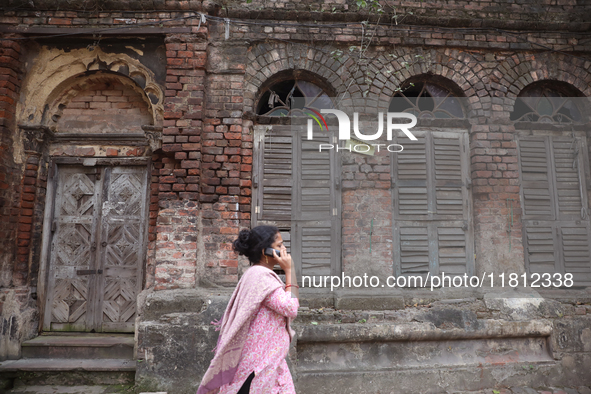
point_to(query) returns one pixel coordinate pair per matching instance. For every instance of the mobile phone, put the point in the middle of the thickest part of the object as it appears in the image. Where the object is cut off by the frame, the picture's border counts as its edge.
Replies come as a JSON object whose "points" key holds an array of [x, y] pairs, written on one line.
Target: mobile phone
{"points": [[269, 252]]}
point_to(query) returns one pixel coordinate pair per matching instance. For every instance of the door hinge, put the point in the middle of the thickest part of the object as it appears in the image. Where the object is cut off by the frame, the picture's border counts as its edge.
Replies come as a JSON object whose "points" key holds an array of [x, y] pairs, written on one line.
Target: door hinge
{"points": [[257, 209], [334, 212]]}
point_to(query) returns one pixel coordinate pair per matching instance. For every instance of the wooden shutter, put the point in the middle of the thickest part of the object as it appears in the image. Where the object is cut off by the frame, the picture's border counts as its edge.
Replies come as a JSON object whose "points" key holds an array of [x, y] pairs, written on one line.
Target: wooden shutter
{"points": [[540, 247], [567, 164], [455, 250], [316, 224], [273, 179], [433, 218], [295, 189], [413, 257], [449, 197], [536, 178], [575, 243], [411, 179], [556, 223]]}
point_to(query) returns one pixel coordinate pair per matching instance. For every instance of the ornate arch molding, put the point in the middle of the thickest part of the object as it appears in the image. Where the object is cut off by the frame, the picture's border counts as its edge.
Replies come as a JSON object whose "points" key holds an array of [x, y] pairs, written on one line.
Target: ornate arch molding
{"points": [[51, 81], [69, 89], [267, 62]]}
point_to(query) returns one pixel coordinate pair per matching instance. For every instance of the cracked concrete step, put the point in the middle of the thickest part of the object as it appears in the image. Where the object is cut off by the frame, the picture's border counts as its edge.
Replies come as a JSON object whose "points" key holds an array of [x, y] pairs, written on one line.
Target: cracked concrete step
{"points": [[80, 346]]}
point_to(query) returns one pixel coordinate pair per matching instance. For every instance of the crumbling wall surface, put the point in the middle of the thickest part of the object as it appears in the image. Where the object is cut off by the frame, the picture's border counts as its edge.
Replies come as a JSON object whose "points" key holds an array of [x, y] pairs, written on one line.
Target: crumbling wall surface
{"points": [[175, 338], [18, 314], [430, 343]]}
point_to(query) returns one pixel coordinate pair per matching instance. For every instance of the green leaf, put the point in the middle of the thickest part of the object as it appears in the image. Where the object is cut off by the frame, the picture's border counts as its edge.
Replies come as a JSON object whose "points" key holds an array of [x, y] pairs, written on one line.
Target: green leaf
{"points": [[496, 392], [314, 323]]}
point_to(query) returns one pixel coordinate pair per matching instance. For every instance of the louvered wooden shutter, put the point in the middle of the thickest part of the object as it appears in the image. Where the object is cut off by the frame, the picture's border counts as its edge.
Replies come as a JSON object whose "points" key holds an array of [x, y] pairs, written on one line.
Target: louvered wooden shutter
{"points": [[294, 188], [273, 176], [316, 224], [555, 217], [411, 178], [433, 218], [536, 179]]}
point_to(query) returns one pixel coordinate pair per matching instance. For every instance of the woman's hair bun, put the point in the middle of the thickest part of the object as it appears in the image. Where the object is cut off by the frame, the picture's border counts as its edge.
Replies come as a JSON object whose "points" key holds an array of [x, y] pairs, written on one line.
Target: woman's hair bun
{"points": [[251, 243], [242, 243]]}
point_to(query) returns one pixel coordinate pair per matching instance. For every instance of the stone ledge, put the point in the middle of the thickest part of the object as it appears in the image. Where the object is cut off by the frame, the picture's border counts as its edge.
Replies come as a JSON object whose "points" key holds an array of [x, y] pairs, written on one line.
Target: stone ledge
{"points": [[420, 331]]}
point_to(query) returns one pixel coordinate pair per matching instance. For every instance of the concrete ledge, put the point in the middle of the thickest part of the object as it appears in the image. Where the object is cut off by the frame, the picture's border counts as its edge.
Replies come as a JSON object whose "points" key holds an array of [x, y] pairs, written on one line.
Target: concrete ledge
{"points": [[420, 331], [54, 364]]}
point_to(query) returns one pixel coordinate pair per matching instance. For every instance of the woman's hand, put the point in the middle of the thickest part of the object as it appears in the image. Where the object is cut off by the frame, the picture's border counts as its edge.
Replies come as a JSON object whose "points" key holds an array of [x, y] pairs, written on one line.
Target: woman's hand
{"points": [[284, 259]]}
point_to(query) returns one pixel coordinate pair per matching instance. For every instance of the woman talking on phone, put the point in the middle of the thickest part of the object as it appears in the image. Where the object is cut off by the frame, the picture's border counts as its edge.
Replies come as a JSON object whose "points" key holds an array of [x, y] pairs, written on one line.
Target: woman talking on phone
{"points": [[255, 330]]}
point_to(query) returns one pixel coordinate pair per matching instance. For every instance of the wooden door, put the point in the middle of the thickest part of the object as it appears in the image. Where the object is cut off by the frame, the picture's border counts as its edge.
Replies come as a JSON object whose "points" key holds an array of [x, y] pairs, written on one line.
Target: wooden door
{"points": [[97, 248]]}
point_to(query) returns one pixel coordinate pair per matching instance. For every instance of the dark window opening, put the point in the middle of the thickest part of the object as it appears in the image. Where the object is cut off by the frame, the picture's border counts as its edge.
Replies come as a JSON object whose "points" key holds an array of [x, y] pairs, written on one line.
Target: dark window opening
{"points": [[427, 100], [291, 97]]}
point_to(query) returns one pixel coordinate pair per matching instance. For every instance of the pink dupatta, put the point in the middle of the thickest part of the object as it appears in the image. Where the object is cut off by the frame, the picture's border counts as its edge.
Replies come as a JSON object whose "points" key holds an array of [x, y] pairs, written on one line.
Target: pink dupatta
{"points": [[254, 286]]}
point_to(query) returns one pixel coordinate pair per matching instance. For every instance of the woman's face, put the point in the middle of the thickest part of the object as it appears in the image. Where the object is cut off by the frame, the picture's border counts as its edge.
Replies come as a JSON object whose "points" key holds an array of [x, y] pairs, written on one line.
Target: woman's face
{"points": [[278, 243]]}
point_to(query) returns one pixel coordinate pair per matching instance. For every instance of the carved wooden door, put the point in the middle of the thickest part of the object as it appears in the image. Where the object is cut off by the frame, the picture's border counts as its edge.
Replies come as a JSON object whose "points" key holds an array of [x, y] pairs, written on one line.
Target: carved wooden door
{"points": [[97, 248]]}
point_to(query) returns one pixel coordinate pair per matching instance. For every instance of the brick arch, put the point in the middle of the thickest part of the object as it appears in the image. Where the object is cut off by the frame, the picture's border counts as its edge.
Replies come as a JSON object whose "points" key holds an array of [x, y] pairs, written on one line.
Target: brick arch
{"points": [[102, 102], [529, 68], [266, 60], [49, 80], [458, 71]]}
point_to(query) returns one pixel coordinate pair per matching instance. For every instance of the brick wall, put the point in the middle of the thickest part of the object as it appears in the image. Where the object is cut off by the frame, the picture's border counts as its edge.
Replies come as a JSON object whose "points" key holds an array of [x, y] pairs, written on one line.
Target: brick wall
{"points": [[226, 182], [10, 80], [366, 185], [211, 83], [104, 105], [180, 173]]}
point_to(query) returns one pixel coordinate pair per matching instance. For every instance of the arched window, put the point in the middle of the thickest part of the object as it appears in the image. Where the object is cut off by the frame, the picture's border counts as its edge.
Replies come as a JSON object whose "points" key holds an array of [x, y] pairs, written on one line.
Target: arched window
{"points": [[545, 104], [553, 182], [294, 184], [427, 100], [291, 97]]}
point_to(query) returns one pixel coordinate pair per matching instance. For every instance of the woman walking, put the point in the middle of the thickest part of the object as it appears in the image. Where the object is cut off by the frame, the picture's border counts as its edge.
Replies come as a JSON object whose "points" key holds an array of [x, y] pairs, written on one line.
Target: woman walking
{"points": [[255, 331]]}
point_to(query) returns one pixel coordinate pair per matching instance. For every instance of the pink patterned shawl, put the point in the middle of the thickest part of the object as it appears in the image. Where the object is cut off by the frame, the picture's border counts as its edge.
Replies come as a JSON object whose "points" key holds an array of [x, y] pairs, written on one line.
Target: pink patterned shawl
{"points": [[254, 286]]}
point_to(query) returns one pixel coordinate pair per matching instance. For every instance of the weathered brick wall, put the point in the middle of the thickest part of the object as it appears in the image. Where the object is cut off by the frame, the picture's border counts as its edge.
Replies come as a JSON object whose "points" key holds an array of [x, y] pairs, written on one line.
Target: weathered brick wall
{"points": [[102, 105], [212, 85], [227, 166], [10, 80], [367, 212], [180, 174]]}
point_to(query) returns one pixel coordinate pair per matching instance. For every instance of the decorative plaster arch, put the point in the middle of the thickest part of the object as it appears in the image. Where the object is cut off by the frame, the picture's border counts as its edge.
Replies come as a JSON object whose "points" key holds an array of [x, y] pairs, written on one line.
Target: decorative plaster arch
{"points": [[56, 71]]}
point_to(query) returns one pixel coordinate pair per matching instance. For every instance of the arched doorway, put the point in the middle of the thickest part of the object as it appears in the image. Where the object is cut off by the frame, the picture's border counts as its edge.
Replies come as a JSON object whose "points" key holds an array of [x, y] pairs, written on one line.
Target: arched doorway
{"points": [[95, 230]]}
